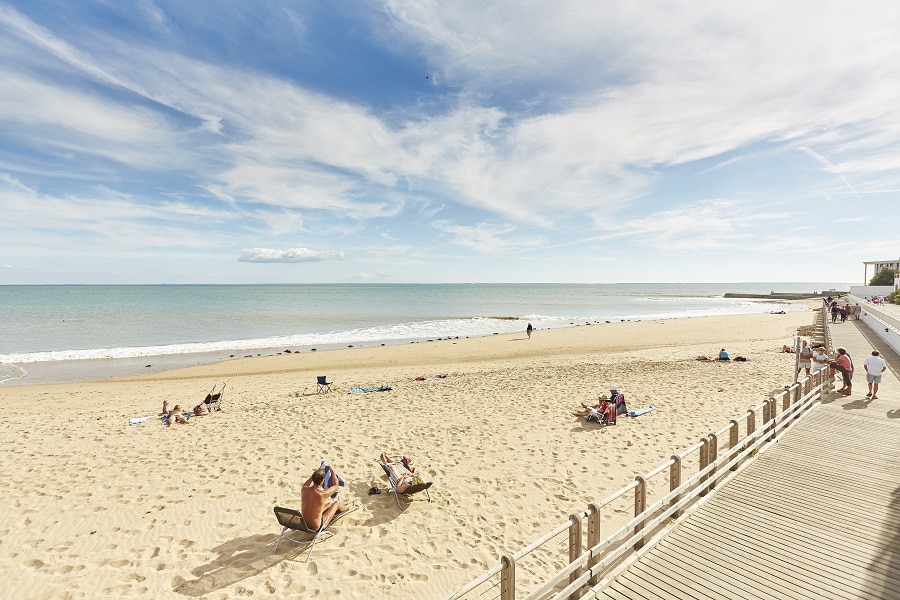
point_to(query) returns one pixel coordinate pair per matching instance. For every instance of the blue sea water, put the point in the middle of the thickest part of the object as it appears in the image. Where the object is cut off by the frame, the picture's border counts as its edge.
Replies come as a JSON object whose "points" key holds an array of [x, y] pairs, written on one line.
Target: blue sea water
{"points": [[74, 332]]}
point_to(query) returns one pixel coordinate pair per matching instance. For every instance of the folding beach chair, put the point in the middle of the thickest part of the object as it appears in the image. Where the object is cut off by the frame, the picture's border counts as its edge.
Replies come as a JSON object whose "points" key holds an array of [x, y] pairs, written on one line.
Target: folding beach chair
{"points": [[291, 519], [396, 469], [213, 399], [322, 386]]}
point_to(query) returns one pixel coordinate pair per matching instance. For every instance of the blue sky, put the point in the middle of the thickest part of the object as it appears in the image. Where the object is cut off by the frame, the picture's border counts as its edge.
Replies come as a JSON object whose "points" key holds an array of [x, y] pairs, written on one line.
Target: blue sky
{"points": [[385, 141]]}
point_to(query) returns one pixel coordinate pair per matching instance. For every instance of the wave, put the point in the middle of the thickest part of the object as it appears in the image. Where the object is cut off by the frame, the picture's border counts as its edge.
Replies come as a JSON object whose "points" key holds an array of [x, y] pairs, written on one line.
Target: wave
{"points": [[388, 334]]}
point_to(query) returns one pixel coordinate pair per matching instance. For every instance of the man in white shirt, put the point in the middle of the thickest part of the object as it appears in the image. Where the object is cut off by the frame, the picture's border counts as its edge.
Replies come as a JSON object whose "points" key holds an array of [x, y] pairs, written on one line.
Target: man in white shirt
{"points": [[874, 366]]}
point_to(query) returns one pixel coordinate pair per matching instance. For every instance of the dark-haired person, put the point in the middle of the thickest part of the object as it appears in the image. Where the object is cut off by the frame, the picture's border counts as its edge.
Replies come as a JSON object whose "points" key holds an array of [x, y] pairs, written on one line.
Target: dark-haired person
{"points": [[843, 364], [314, 505]]}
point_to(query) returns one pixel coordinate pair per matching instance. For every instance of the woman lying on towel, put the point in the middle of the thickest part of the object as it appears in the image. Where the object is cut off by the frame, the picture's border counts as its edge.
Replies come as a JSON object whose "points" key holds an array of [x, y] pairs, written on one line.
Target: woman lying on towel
{"points": [[402, 470]]}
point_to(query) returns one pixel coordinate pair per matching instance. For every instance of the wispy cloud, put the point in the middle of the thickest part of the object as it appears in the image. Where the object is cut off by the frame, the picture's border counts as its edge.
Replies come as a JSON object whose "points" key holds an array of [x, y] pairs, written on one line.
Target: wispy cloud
{"points": [[292, 255], [249, 127]]}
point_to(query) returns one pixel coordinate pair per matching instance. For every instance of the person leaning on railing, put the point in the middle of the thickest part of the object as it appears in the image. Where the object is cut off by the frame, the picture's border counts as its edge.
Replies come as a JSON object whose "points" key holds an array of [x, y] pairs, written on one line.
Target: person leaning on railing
{"points": [[844, 364]]}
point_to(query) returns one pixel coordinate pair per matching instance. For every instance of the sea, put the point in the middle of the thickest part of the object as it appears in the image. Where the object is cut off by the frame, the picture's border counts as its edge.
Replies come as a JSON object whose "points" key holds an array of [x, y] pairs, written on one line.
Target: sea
{"points": [[68, 333]]}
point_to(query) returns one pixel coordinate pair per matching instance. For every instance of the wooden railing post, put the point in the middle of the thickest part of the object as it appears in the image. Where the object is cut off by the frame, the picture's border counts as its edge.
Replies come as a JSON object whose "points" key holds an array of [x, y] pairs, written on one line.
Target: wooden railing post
{"points": [[675, 482], [704, 461], [640, 504], [770, 424], [593, 538], [712, 453], [733, 439], [575, 547], [751, 422], [507, 577]]}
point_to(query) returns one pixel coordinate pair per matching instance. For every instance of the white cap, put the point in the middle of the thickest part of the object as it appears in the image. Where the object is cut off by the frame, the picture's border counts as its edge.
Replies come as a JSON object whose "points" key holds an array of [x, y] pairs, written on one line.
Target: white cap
{"points": [[613, 388]]}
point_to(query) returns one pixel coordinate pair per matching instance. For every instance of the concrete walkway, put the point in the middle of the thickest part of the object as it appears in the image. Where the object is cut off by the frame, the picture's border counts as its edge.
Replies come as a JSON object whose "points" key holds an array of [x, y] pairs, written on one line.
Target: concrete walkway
{"points": [[816, 516]]}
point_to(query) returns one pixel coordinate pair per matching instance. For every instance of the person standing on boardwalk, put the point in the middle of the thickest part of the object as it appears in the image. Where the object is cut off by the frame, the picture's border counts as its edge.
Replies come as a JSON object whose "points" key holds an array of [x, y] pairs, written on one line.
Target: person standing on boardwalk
{"points": [[528, 330], [805, 358], [874, 366]]}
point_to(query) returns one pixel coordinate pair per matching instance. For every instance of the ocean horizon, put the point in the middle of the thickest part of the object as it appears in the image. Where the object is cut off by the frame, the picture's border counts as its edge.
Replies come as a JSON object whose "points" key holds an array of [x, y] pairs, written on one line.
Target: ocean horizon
{"points": [[67, 333]]}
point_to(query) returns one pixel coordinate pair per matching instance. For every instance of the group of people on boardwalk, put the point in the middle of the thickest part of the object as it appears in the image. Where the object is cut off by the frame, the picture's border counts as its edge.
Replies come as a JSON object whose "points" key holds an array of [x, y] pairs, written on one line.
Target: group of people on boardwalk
{"points": [[842, 312], [874, 366]]}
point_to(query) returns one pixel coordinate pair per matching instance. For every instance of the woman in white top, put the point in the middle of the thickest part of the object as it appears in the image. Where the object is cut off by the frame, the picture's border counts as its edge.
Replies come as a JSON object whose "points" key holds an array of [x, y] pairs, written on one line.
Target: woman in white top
{"points": [[820, 359]]}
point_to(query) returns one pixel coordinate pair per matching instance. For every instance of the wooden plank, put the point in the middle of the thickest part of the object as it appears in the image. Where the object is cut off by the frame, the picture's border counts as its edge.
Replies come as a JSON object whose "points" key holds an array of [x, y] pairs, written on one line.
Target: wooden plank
{"points": [[769, 575], [791, 540], [743, 560], [777, 562], [635, 587], [811, 553], [697, 580], [685, 584], [689, 556], [836, 526], [836, 517]]}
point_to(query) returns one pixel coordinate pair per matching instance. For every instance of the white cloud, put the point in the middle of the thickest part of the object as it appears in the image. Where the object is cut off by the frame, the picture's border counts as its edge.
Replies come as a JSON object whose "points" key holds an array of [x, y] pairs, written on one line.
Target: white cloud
{"points": [[487, 238], [293, 255]]}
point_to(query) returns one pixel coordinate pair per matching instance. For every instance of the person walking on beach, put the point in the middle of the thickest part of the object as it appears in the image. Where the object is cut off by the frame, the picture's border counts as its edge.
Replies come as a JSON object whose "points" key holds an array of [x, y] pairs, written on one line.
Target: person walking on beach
{"points": [[528, 330], [874, 366]]}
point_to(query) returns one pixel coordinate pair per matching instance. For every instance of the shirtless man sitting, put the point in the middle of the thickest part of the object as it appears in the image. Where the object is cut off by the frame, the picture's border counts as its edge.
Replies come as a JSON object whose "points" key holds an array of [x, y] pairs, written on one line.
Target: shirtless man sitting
{"points": [[313, 498]]}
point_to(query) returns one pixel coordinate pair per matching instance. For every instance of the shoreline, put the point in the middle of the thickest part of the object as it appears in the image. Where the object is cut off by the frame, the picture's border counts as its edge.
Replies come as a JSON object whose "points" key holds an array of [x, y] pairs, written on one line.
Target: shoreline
{"points": [[100, 369], [156, 512]]}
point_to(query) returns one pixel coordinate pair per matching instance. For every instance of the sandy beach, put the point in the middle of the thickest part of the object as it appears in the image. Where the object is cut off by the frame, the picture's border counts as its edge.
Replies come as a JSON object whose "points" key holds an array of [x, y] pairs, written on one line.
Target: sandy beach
{"points": [[96, 508]]}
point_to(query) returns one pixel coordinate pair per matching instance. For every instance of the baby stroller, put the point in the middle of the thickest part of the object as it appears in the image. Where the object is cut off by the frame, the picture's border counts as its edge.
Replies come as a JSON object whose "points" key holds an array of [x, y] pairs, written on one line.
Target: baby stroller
{"points": [[213, 399]]}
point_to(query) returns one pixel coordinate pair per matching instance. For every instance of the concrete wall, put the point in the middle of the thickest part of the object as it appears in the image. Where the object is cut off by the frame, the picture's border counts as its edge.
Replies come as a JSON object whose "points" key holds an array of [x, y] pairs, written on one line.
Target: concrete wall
{"points": [[867, 291], [882, 323]]}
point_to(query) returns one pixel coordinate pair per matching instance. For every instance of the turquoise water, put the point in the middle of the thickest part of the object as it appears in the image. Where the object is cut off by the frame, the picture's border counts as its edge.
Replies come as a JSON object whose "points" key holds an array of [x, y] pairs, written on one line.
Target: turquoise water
{"points": [[69, 327]]}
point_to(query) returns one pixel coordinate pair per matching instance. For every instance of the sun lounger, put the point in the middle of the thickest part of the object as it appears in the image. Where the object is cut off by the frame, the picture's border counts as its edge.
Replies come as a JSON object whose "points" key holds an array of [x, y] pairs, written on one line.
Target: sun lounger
{"points": [[291, 519], [395, 469]]}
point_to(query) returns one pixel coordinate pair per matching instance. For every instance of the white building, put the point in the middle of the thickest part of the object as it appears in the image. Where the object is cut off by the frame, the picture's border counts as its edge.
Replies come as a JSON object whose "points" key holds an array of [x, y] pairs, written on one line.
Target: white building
{"points": [[878, 265]]}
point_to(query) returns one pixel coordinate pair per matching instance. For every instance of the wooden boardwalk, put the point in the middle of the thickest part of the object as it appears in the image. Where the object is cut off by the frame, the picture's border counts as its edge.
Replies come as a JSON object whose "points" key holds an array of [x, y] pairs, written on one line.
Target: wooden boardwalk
{"points": [[816, 516]]}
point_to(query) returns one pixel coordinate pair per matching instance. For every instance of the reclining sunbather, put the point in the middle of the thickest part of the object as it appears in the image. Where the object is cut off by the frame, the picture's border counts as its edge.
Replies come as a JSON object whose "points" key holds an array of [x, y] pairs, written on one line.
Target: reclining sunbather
{"points": [[178, 416], [408, 481]]}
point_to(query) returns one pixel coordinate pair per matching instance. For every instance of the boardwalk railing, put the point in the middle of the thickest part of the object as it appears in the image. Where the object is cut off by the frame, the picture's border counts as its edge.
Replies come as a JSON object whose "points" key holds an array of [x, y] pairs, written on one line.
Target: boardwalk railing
{"points": [[578, 558]]}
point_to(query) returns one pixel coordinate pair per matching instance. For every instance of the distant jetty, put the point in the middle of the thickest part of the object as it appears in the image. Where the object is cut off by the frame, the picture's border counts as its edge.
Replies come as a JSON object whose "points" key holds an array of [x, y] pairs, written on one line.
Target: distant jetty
{"points": [[788, 295]]}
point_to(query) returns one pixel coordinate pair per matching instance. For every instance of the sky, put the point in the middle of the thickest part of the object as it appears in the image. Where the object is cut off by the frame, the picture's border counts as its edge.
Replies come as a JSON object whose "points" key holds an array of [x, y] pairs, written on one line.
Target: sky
{"points": [[299, 141]]}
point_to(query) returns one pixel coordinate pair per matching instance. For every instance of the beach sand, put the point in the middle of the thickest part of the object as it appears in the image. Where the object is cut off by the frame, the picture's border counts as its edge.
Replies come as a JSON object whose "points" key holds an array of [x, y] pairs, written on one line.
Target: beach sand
{"points": [[95, 508]]}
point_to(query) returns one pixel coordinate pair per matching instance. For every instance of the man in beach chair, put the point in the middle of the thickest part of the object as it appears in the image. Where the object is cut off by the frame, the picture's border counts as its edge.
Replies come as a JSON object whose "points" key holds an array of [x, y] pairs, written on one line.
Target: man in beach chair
{"points": [[293, 520], [321, 486], [403, 476]]}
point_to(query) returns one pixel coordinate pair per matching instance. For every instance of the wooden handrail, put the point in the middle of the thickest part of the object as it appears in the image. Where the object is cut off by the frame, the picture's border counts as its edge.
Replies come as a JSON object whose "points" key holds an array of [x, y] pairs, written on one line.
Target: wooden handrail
{"points": [[588, 567]]}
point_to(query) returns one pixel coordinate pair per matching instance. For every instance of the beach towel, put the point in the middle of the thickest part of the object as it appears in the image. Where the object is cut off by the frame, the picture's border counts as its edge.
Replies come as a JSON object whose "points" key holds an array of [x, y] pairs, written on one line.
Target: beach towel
{"points": [[329, 477], [434, 377], [363, 390], [139, 420], [642, 411]]}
